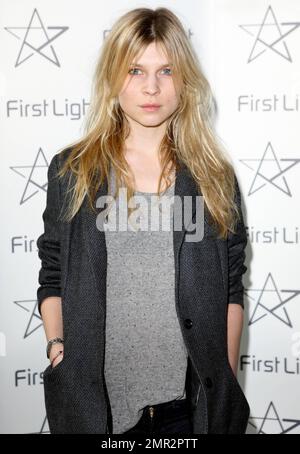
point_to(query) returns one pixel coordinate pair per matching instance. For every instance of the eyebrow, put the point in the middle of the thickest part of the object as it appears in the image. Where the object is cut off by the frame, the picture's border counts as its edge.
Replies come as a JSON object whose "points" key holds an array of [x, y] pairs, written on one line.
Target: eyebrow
{"points": [[142, 66]]}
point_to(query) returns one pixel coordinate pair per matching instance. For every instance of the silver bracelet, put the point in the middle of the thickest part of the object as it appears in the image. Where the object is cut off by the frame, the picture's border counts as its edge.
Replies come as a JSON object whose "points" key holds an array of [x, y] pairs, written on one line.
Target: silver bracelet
{"points": [[56, 340]]}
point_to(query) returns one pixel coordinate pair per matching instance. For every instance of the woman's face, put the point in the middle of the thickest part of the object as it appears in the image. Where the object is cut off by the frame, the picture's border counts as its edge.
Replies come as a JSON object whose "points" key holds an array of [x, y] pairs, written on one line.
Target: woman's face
{"points": [[149, 81]]}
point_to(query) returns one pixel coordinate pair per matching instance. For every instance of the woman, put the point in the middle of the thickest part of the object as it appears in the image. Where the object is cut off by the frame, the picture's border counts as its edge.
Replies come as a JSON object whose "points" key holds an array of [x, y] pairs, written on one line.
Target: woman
{"points": [[143, 326]]}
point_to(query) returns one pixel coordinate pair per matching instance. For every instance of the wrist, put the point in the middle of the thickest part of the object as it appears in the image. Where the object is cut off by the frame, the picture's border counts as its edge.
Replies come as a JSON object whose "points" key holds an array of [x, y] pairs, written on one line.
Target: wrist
{"points": [[57, 358], [51, 343], [55, 349]]}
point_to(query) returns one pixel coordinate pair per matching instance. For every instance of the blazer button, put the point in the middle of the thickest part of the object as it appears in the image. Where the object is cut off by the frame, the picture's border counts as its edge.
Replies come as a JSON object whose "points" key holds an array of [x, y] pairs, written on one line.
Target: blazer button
{"points": [[188, 323], [208, 382]]}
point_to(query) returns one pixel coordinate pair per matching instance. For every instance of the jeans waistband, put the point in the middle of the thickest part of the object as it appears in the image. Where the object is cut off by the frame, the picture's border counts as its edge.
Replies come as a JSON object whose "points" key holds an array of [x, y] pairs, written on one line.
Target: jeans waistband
{"points": [[163, 407]]}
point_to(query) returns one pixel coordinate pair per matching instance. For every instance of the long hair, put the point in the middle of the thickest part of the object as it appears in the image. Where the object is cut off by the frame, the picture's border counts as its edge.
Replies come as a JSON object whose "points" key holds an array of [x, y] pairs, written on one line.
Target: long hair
{"points": [[189, 138]]}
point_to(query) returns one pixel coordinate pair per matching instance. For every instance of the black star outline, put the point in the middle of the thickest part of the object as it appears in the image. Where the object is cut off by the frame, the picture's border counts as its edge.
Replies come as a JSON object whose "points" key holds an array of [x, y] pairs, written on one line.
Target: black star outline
{"points": [[35, 320], [44, 429], [271, 311], [271, 408], [270, 15], [37, 50], [30, 182], [279, 174]]}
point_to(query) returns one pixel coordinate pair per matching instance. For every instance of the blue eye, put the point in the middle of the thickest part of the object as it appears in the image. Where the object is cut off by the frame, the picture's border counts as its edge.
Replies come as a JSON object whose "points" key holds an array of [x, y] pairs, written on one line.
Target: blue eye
{"points": [[138, 69], [133, 69]]}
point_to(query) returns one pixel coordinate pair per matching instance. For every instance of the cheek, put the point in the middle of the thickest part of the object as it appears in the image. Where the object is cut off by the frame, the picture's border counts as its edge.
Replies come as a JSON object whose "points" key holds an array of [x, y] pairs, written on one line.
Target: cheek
{"points": [[127, 99], [172, 101], [128, 92], [128, 89], [170, 94]]}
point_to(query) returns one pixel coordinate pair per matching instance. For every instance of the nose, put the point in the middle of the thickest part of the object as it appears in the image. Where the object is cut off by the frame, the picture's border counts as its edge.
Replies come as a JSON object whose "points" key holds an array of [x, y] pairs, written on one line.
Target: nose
{"points": [[151, 86]]}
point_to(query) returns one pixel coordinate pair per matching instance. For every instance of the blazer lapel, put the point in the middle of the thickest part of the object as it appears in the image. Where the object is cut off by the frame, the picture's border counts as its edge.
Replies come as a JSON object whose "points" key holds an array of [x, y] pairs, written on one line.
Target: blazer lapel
{"points": [[185, 186]]}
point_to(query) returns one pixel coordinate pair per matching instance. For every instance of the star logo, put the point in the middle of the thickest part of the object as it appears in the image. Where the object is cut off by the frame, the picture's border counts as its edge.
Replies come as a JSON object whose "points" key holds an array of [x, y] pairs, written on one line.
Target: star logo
{"points": [[269, 300], [271, 423], [35, 178], [270, 171], [34, 319], [270, 35], [36, 39], [44, 429]]}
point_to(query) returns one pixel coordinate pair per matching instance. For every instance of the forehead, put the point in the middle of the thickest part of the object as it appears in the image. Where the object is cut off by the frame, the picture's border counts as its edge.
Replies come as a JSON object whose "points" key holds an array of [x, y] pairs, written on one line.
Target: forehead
{"points": [[154, 55]]}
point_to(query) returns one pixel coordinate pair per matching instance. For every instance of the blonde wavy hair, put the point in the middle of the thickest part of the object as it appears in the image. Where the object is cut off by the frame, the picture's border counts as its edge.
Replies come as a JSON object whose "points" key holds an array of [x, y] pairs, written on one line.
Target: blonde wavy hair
{"points": [[190, 137]]}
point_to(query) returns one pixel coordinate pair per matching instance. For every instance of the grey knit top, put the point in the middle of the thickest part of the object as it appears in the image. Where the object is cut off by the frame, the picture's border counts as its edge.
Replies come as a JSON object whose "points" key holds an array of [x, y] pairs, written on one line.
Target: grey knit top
{"points": [[145, 355]]}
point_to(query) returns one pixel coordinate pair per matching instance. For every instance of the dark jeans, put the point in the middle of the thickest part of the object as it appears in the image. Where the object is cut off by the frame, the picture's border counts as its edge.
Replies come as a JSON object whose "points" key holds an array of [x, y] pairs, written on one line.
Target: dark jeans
{"points": [[167, 418]]}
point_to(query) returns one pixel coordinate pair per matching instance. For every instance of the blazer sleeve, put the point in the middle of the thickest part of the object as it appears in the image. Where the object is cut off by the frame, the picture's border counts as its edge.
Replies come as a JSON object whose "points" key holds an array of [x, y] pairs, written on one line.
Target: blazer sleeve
{"points": [[236, 255], [48, 242]]}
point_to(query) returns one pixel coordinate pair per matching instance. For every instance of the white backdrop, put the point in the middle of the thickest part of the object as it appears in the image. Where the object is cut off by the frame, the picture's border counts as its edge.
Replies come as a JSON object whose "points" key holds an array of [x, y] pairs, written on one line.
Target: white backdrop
{"points": [[249, 51]]}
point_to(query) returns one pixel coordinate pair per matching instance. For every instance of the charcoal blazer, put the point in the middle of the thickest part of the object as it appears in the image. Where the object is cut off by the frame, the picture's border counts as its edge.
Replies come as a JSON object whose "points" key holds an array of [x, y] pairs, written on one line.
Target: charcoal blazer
{"points": [[208, 277]]}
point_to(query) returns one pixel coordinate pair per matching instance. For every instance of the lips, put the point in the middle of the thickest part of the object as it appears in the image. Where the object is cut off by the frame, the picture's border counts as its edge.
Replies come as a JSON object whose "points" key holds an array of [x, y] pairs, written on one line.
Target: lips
{"points": [[150, 105]]}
